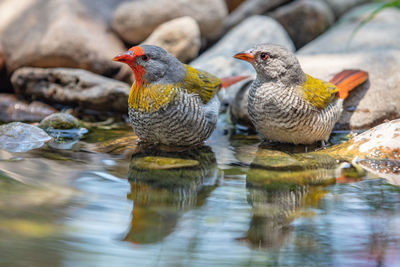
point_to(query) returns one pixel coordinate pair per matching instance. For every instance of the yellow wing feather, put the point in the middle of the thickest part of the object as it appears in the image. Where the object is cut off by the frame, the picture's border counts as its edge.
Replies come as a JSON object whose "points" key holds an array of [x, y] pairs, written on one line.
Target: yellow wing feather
{"points": [[202, 83], [318, 93]]}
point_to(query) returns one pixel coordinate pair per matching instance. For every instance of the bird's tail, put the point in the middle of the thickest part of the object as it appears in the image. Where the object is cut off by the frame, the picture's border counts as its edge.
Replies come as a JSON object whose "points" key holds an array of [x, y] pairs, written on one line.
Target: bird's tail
{"points": [[228, 81], [347, 80]]}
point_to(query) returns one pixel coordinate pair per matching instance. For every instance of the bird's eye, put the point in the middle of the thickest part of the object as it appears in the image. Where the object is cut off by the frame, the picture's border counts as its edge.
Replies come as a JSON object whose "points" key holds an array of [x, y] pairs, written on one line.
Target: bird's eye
{"points": [[263, 56], [145, 57]]}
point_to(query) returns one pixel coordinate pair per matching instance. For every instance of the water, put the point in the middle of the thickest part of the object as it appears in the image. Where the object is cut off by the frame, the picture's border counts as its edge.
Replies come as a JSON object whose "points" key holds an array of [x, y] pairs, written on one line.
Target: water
{"points": [[78, 208]]}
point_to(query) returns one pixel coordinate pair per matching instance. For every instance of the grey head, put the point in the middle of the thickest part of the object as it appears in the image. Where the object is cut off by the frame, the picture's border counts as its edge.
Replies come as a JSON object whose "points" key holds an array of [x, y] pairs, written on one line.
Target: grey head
{"points": [[274, 62], [153, 64]]}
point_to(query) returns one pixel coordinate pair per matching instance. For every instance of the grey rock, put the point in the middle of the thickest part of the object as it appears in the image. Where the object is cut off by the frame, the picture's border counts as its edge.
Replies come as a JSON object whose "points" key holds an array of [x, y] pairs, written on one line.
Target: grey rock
{"points": [[12, 109], [381, 33], [180, 37], [304, 20], [219, 60], [21, 137], [72, 87], [249, 8], [62, 33], [134, 21], [340, 7]]}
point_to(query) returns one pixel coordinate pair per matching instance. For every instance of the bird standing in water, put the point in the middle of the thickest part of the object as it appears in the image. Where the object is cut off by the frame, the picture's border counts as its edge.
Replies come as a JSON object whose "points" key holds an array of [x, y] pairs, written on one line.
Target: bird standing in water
{"points": [[170, 102], [289, 106]]}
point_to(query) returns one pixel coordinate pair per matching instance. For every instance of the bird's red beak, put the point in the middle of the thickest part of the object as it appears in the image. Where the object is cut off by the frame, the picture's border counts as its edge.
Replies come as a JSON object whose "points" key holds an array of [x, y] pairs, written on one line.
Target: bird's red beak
{"points": [[126, 57], [246, 56]]}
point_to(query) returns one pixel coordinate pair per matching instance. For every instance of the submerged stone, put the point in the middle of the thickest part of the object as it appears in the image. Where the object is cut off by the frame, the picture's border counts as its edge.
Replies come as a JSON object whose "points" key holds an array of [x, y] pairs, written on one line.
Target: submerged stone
{"points": [[21, 137]]}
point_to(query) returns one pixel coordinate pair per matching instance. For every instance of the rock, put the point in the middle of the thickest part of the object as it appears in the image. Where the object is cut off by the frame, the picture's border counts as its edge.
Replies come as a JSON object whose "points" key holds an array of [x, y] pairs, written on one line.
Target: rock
{"points": [[62, 121], [2, 58], [238, 107], [304, 20], [219, 60], [340, 7], [180, 37], [134, 21], [21, 137], [233, 4], [249, 8], [72, 87], [380, 34], [61, 34], [376, 150], [12, 109]]}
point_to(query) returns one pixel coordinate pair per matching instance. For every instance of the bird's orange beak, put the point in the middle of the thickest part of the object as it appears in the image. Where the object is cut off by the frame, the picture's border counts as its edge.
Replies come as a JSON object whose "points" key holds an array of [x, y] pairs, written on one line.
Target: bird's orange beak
{"points": [[246, 56], [126, 57]]}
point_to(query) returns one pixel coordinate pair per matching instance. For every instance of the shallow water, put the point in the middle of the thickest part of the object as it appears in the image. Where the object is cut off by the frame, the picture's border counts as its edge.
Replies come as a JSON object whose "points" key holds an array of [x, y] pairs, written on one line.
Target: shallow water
{"points": [[232, 203]]}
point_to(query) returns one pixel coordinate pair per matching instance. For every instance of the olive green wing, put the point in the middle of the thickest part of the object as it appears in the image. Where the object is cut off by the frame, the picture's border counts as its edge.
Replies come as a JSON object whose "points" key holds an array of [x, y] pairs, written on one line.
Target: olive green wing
{"points": [[318, 93], [201, 83]]}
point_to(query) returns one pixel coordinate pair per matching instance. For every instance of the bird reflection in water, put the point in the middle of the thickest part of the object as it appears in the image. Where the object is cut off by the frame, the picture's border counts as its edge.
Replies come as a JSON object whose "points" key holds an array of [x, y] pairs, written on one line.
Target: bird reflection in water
{"points": [[165, 182]]}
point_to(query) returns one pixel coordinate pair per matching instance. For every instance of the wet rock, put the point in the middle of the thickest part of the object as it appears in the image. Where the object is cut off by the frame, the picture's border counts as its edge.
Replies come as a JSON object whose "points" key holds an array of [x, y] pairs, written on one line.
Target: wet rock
{"points": [[218, 59], [180, 37], [376, 150], [304, 20], [62, 121], [21, 137], [12, 109], [125, 145], [60, 33], [72, 87], [378, 35], [134, 21], [340, 7], [249, 8]]}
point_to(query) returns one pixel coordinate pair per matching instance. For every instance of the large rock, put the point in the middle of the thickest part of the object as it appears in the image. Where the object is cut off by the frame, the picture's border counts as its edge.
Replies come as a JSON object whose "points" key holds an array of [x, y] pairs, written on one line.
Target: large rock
{"points": [[21, 137], [134, 21], [180, 37], [12, 109], [72, 87], [219, 60], [61, 33], [249, 8], [381, 33], [304, 20], [340, 7]]}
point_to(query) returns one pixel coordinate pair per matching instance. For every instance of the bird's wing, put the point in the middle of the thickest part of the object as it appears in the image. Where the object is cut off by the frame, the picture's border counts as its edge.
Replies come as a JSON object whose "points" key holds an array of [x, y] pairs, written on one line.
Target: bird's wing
{"points": [[201, 83], [318, 93]]}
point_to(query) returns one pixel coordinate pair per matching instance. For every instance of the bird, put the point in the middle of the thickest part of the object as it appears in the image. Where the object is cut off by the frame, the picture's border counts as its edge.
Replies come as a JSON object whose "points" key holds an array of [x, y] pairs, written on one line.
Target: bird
{"points": [[289, 106], [171, 103]]}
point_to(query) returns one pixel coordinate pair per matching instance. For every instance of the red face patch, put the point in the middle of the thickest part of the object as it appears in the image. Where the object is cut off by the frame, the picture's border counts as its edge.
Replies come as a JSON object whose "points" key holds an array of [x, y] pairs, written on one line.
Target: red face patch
{"points": [[137, 51]]}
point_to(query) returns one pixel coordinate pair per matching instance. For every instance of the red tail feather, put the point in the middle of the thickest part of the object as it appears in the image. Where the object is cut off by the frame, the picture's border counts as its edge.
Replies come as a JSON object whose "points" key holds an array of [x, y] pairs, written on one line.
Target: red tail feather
{"points": [[228, 81], [348, 80]]}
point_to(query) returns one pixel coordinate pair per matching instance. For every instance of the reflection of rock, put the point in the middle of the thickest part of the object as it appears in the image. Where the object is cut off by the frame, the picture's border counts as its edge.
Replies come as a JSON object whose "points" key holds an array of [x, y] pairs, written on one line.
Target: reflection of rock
{"points": [[164, 182], [279, 184], [21, 137], [72, 87], [179, 37], [12, 109], [135, 20]]}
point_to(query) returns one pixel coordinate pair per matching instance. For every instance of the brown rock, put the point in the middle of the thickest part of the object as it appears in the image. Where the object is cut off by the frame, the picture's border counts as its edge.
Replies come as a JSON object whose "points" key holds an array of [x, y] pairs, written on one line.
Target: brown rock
{"points": [[304, 20], [233, 4], [72, 87], [12, 109], [180, 37], [134, 21], [60, 34]]}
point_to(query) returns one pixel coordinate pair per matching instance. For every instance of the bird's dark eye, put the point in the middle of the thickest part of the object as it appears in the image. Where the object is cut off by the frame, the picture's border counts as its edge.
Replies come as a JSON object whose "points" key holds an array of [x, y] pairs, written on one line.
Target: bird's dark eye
{"points": [[145, 57], [263, 56]]}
